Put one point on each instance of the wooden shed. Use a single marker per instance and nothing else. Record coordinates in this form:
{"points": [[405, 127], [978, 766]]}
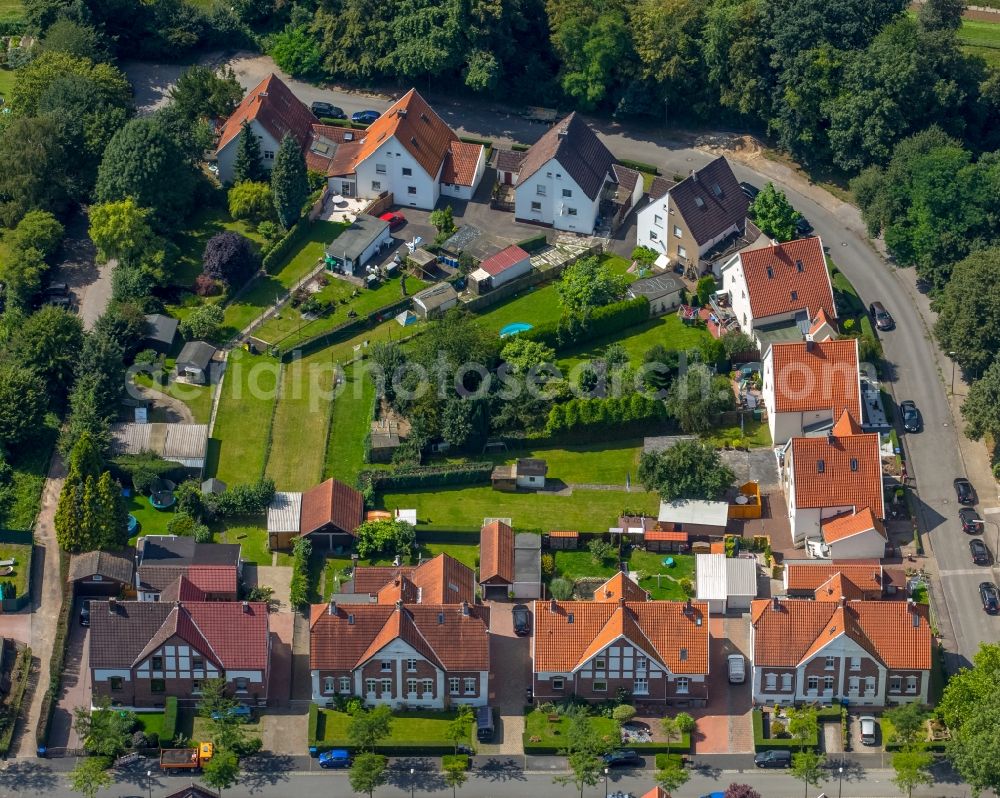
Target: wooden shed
{"points": [[562, 539]]}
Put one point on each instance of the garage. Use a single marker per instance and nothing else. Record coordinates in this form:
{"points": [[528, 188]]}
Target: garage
{"points": [[100, 574], [728, 584]]}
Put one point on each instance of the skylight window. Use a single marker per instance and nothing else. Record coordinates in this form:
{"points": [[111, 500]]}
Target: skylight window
{"points": [[699, 202], [820, 466]]}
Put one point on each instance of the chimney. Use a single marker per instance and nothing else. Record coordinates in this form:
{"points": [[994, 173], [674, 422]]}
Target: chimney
{"points": [[688, 609], [399, 604], [112, 606], [775, 604], [401, 113], [331, 608], [552, 605], [177, 604], [843, 601], [809, 343], [621, 601], [465, 608], [829, 437], [694, 175], [246, 606]]}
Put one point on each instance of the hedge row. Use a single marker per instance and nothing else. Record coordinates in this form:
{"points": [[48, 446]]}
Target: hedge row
{"points": [[21, 673], [313, 723], [582, 414], [603, 321], [13, 27], [326, 120], [169, 720], [281, 249], [639, 166], [124, 467], [427, 476], [681, 746], [534, 243], [393, 749], [761, 743], [58, 658]]}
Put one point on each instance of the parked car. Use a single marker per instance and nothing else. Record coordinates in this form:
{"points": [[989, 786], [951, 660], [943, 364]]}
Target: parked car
{"points": [[913, 421], [964, 491], [59, 301], [880, 316], [971, 521], [57, 289], [522, 619], [337, 758], [869, 729], [240, 711], [85, 613], [750, 190], [321, 109], [365, 117], [737, 667], [773, 759], [990, 596], [621, 757], [802, 227], [394, 218], [980, 552]]}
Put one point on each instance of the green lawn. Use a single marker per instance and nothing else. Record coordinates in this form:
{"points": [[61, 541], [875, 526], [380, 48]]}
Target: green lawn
{"points": [[29, 467], [756, 432], [289, 329], [650, 563], [151, 722], [587, 463], [667, 330], [251, 534], [151, 521], [982, 39], [537, 724], [301, 418], [350, 423], [573, 565], [6, 75], [198, 398], [408, 728], [243, 422], [463, 509], [212, 218], [22, 566]]}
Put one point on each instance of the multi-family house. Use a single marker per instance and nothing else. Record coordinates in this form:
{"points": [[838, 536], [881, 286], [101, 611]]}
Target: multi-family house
{"points": [[414, 655], [870, 653], [409, 151], [327, 514], [655, 651], [683, 221], [142, 652], [807, 385], [828, 580], [214, 569], [832, 477], [777, 293]]}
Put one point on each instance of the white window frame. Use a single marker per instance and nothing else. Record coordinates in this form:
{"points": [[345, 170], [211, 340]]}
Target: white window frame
{"points": [[812, 684], [411, 687], [682, 252], [911, 684], [536, 207], [411, 189], [871, 683], [411, 665], [657, 220], [600, 686], [770, 681], [895, 684], [345, 684], [386, 666], [427, 688], [376, 185], [640, 686], [571, 211], [600, 664], [328, 682], [827, 684], [385, 687], [539, 189], [786, 681], [830, 663], [855, 663], [683, 685], [454, 685], [678, 233], [371, 686], [470, 686], [268, 155]]}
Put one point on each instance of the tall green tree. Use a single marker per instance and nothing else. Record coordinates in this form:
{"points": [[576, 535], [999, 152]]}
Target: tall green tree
{"points": [[687, 470], [774, 214], [941, 14], [367, 773], [912, 769], [34, 176], [222, 771], [76, 39], [672, 775], [588, 284], [981, 407], [23, 402], [121, 230], [247, 164], [968, 321], [91, 775], [367, 729], [203, 93], [460, 727], [807, 767], [289, 181], [456, 773], [970, 707], [697, 396], [49, 342]]}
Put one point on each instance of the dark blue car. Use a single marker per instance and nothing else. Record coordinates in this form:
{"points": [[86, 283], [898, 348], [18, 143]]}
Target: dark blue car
{"points": [[337, 758], [240, 711], [365, 117]]}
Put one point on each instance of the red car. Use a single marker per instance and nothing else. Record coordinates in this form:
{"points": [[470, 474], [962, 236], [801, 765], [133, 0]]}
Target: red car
{"points": [[395, 220]]}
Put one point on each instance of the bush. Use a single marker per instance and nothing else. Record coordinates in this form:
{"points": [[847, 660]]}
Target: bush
{"points": [[603, 321], [590, 414], [455, 760], [561, 589], [623, 713], [181, 524], [142, 480], [206, 286], [57, 659], [252, 201], [639, 166], [230, 258], [169, 730], [242, 500], [299, 588], [427, 476], [140, 740], [548, 565], [534, 243], [203, 323]]}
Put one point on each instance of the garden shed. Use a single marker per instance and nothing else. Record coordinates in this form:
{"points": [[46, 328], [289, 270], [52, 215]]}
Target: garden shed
{"points": [[726, 583], [694, 516], [186, 444], [160, 332], [358, 244], [193, 362], [100, 573], [564, 539], [435, 300]]}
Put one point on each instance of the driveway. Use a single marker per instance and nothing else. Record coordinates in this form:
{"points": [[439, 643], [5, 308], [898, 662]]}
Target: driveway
{"points": [[89, 282], [76, 687], [725, 725], [510, 657]]}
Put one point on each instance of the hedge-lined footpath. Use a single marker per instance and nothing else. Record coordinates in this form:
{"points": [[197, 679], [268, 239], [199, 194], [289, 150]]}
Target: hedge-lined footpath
{"points": [[19, 676], [601, 322], [426, 476], [58, 658]]}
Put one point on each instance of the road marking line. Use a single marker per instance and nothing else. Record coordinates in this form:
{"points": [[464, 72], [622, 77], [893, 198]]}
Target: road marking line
{"points": [[963, 572]]}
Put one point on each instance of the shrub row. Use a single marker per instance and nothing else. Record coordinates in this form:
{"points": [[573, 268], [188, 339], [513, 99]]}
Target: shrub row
{"points": [[681, 746], [13, 27], [427, 476], [21, 675], [519, 147], [313, 724], [285, 244], [326, 120], [582, 414], [126, 466], [386, 749], [639, 166], [603, 321], [58, 658], [761, 743], [169, 721], [534, 243]]}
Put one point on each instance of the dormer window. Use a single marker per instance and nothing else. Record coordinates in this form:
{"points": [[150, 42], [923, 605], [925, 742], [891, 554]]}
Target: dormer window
{"points": [[799, 267], [717, 189], [699, 202]]}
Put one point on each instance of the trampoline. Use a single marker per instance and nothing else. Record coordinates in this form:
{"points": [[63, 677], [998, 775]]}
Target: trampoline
{"points": [[161, 494], [515, 328], [133, 524]]}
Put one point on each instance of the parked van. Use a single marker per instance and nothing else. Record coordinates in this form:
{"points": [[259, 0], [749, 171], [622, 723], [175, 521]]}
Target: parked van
{"points": [[779, 758], [869, 728], [484, 724], [737, 668]]}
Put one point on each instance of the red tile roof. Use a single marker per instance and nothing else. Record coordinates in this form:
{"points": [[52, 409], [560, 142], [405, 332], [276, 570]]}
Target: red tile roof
{"points": [[496, 552], [819, 320], [277, 110], [331, 502], [776, 285], [664, 629], [847, 525], [665, 536], [816, 375], [460, 163], [440, 580], [499, 262], [213, 578], [352, 634], [619, 586], [838, 470], [837, 587], [799, 629], [812, 576]]}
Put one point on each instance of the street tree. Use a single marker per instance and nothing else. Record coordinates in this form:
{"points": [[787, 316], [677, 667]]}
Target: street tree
{"points": [[912, 769], [981, 407], [968, 322], [672, 775], [289, 181], [91, 775], [970, 708], [807, 767], [687, 470], [588, 284], [585, 768], [669, 726], [367, 773], [367, 729], [456, 773], [222, 771], [774, 214]]}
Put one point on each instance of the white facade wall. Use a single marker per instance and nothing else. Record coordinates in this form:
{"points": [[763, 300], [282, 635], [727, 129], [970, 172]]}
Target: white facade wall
{"points": [[734, 283], [466, 192], [386, 170], [575, 212], [652, 225], [864, 545], [226, 157], [106, 674], [530, 481], [515, 271]]}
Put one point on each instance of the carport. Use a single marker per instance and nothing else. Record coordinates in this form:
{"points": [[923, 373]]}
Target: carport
{"points": [[726, 583]]}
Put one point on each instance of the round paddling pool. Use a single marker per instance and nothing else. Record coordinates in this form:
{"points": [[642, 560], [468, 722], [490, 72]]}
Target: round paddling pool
{"points": [[515, 328]]}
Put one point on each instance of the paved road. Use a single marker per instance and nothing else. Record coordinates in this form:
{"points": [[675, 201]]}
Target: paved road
{"points": [[919, 370], [36, 778]]}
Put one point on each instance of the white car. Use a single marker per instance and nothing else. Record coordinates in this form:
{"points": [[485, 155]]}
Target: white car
{"points": [[869, 729], [737, 668]]}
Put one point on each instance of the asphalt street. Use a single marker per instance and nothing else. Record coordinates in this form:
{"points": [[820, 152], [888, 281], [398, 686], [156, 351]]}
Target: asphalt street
{"points": [[918, 370], [31, 778]]}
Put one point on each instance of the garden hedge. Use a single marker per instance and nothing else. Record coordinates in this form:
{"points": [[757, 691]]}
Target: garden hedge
{"points": [[58, 657], [169, 721], [639, 166], [427, 476], [534, 243], [313, 723], [327, 120], [20, 674], [761, 743], [602, 322], [285, 244], [681, 746], [585, 414]]}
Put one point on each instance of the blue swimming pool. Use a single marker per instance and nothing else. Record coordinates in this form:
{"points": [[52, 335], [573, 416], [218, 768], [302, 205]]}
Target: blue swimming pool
{"points": [[515, 328]]}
